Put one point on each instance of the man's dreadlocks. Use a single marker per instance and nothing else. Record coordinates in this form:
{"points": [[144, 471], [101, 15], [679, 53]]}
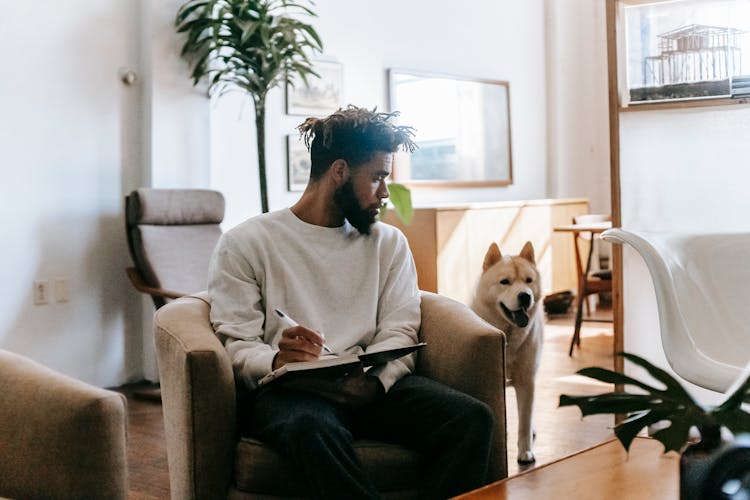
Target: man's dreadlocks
{"points": [[354, 135]]}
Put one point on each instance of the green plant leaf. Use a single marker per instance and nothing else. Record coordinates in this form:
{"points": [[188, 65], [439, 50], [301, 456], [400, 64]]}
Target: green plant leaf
{"points": [[629, 428], [400, 197], [612, 402], [672, 404], [185, 11], [673, 386], [613, 377], [734, 419], [675, 436]]}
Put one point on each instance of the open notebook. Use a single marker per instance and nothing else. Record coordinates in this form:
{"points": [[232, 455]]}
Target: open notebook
{"points": [[337, 366]]}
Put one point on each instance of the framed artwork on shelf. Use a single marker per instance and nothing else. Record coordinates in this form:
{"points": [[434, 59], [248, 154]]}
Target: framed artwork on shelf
{"points": [[683, 50], [321, 96], [298, 163]]}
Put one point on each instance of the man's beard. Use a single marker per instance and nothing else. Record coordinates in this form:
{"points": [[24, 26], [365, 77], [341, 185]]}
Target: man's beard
{"points": [[346, 200]]}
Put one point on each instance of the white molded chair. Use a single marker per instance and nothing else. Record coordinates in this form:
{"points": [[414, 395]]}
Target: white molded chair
{"points": [[702, 284]]}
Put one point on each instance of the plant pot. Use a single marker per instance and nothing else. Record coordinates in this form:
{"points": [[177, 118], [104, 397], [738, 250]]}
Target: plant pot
{"points": [[721, 471]]}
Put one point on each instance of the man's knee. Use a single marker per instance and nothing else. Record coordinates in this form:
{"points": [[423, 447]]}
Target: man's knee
{"points": [[479, 417], [481, 412], [304, 427]]}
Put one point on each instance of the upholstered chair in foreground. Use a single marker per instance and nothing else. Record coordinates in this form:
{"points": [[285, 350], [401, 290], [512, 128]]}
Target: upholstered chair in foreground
{"points": [[207, 458], [59, 437]]}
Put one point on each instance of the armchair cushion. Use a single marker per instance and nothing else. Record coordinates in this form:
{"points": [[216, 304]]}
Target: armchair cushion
{"points": [[260, 469], [171, 207]]}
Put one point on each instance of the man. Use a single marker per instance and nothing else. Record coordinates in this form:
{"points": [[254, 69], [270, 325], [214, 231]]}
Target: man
{"points": [[327, 264]]}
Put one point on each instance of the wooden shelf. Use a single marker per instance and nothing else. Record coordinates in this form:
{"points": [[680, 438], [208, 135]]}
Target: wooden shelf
{"points": [[695, 103]]}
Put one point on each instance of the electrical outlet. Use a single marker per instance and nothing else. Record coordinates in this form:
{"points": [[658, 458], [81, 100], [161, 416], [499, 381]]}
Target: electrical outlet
{"points": [[62, 289], [41, 292]]}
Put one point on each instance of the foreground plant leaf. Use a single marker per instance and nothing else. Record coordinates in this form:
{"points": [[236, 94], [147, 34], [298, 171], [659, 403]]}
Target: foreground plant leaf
{"points": [[400, 197], [611, 402], [672, 404]]}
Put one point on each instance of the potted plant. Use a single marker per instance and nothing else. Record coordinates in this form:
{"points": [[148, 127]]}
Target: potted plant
{"points": [[670, 403], [253, 46]]}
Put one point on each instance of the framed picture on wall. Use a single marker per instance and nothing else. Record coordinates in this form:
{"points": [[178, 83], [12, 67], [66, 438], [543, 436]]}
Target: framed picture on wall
{"points": [[683, 50], [464, 135], [321, 96], [298, 163]]}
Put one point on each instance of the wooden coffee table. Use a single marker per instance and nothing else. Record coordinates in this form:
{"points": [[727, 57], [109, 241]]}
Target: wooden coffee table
{"points": [[602, 471]]}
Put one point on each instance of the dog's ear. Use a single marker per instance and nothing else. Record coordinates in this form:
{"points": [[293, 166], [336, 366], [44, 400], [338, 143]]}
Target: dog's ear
{"points": [[492, 257], [527, 252]]}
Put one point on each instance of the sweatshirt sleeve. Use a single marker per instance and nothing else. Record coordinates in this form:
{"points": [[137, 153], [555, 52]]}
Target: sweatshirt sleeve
{"points": [[399, 313], [237, 313]]}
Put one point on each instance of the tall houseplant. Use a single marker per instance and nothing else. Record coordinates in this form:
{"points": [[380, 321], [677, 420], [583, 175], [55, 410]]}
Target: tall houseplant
{"points": [[251, 46]]}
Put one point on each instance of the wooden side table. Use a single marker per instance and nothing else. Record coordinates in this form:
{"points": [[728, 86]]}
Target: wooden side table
{"points": [[602, 471], [586, 286]]}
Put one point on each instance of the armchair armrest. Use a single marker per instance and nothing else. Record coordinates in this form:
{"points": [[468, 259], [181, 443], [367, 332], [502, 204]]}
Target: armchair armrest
{"points": [[466, 353], [198, 399], [60, 437]]}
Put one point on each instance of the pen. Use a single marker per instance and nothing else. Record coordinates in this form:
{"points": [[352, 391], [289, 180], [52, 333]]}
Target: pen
{"points": [[290, 323]]}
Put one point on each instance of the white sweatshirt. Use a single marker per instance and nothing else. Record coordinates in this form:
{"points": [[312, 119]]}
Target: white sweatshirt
{"points": [[359, 291]]}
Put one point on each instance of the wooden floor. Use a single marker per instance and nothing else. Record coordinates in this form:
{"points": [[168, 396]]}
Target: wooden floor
{"points": [[148, 476], [560, 431]]}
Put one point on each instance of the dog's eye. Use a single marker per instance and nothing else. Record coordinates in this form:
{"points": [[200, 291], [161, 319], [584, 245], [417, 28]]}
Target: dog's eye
{"points": [[529, 280], [505, 281]]}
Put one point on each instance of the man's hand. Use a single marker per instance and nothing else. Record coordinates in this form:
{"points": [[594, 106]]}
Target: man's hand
{"points": [[298, 344], [355, 389]]}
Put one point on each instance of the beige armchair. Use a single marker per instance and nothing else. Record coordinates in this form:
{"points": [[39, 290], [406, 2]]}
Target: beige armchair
{"points": [[59, 437], [208, 460]]}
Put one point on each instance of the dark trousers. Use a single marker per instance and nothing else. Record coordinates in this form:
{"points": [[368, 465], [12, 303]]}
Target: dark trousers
{"points": [[451, 430]]}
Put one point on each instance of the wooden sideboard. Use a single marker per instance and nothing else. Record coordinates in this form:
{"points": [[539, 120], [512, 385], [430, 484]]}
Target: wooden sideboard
{"points": [[449, 241]]}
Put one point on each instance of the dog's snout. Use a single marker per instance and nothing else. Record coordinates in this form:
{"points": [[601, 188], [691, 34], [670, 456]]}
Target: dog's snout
{"points": [[524, 299]]}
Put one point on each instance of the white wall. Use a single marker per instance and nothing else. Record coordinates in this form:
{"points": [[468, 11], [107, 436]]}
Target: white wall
{"points": [[502, 40], [74, 141], [68, 147], [681, 170], [577, 102]]}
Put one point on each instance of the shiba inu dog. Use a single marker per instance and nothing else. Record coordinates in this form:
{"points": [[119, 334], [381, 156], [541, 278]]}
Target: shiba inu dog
{"points": [[508, 296]]}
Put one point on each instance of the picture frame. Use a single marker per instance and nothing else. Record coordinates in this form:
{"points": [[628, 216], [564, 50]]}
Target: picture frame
{"points": [[683, 51], [321, 96], [464, 129], [298, 163]]}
